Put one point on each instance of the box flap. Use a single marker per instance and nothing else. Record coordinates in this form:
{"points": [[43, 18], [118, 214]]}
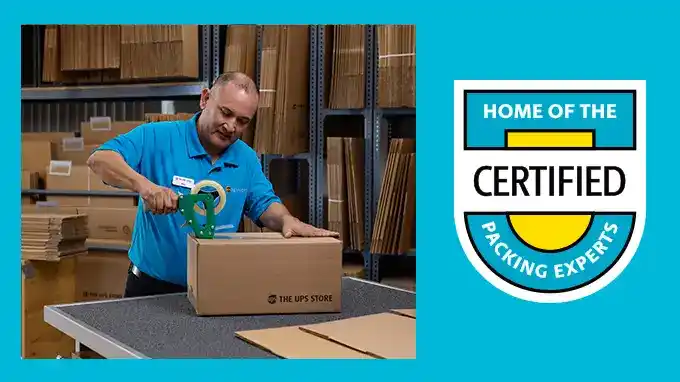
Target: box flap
{"points": [[292, 343], [383, 335], [267, 238]]}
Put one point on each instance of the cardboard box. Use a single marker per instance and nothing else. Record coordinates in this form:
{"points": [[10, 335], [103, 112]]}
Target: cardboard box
{"points": [[110, 223], [99, 130], [75, 150], [29, 180], [54, 137], [63, 175], [264, 273], [36, 156], [101, 275]]}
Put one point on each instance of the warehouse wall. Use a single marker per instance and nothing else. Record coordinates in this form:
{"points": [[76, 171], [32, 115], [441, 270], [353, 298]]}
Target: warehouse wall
{"points": [[66, 116]]}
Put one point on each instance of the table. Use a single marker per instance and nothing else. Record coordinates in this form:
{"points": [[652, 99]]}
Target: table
{"points": [[166, 326]]}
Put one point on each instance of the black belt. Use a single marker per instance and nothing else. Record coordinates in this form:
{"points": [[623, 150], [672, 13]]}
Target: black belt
{"points": [[138, 272], [135, 271]]}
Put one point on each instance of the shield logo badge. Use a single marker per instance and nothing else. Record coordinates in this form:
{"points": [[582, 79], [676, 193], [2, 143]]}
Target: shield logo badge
{"points": [[549, 183]]}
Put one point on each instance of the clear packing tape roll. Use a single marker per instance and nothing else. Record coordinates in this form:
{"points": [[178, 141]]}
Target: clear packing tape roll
{"points": [[220, 191]]}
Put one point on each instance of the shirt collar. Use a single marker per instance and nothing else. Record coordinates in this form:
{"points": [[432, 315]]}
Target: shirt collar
{"points": [[195, 148]]}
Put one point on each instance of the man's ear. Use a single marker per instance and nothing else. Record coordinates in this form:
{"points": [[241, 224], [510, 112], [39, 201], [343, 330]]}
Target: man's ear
{"points": [[205, 95]]}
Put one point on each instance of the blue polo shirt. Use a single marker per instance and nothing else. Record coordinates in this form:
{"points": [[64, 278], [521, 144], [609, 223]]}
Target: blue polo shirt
{"points": [[162, 150]]}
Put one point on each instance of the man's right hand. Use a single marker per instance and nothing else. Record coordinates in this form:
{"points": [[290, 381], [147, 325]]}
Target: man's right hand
{"points": [[159, 200]]}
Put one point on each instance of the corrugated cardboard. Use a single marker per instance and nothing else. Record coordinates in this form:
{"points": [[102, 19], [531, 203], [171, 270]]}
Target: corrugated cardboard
{"points": [[99, 130], [29, 180], [256, 273], [383, 335], [75, 150], [110, 223], [54, 137], [292, 343], [36, 156], [81, 178], [101, 275], [405, 312]]}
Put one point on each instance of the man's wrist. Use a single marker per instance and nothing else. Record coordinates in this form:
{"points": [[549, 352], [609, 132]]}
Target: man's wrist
{"points": [[140, 184], [287, 219]]}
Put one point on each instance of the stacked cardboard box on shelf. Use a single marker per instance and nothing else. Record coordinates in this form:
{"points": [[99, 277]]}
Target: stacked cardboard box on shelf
{"points": [[50, 237], [159, 117], [47, 278], [50, 245], [240, 53], [396, 66], [347, 84], [59, 161], [241, 56], [345, 182], [394, 227], [96, 54], [282, 125]]}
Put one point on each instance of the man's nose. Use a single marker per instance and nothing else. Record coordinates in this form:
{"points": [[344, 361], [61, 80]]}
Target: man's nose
{"points": [[229, 125]]}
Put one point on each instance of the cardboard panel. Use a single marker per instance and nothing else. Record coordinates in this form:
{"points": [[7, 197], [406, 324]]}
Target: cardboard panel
{"points": [[383, 335], [292, 343], [405, 312]]}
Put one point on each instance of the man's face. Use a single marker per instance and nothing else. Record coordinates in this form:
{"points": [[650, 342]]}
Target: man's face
{"points": [[227, 111]]}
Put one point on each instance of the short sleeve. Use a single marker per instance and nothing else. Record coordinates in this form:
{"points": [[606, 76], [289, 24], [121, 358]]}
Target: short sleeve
{"points": [[129, 145], [260, 193]]}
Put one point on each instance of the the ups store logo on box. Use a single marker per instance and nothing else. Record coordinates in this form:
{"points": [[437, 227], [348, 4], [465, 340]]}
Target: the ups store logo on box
{"points": [[301, 299]]}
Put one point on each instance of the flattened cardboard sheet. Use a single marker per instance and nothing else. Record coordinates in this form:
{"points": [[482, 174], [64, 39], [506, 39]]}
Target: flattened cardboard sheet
{"points": [[292, 343], [383, 335], [405, 312]]}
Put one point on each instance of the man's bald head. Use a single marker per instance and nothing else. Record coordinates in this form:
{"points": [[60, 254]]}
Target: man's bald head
{"points": [[238, 79]]}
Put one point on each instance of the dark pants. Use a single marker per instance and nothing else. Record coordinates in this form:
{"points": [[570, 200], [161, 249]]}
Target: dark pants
{"points": [[145, 285]]}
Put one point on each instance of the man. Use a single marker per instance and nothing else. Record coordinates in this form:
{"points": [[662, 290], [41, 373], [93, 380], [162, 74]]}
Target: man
{"points": [[153, 158]]}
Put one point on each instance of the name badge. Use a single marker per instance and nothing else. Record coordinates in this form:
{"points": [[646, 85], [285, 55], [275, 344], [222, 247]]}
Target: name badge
{"points": [[180, 181]]}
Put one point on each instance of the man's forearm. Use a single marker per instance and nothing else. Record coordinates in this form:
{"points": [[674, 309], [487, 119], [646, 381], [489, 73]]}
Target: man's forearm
{"points": [[111, 167], [274, 217]]}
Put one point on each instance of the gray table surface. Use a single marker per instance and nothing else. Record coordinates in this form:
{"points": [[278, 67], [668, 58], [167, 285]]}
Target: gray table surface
{"points": [[167, 327]]}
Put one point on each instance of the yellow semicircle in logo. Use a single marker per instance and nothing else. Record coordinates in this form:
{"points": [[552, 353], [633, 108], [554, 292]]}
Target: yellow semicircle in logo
{"points": [[550, 232]]}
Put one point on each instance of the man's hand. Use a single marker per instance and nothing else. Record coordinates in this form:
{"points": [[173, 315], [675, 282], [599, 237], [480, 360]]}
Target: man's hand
{"points": [[294, 227], [159, 200]]}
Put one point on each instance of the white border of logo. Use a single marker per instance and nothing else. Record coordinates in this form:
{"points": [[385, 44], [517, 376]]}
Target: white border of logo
{"points": [[641, 114]]}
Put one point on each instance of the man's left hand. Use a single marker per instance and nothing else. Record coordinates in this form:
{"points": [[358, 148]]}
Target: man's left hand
{"points": [[294, 227]]}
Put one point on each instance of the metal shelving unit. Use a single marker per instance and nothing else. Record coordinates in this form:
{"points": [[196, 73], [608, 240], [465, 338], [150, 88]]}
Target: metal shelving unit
{"points": [[101, 92], [373, 133]]}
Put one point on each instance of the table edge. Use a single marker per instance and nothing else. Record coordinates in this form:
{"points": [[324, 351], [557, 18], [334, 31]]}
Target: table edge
{"points": [[109, 347], [99, 342]]}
